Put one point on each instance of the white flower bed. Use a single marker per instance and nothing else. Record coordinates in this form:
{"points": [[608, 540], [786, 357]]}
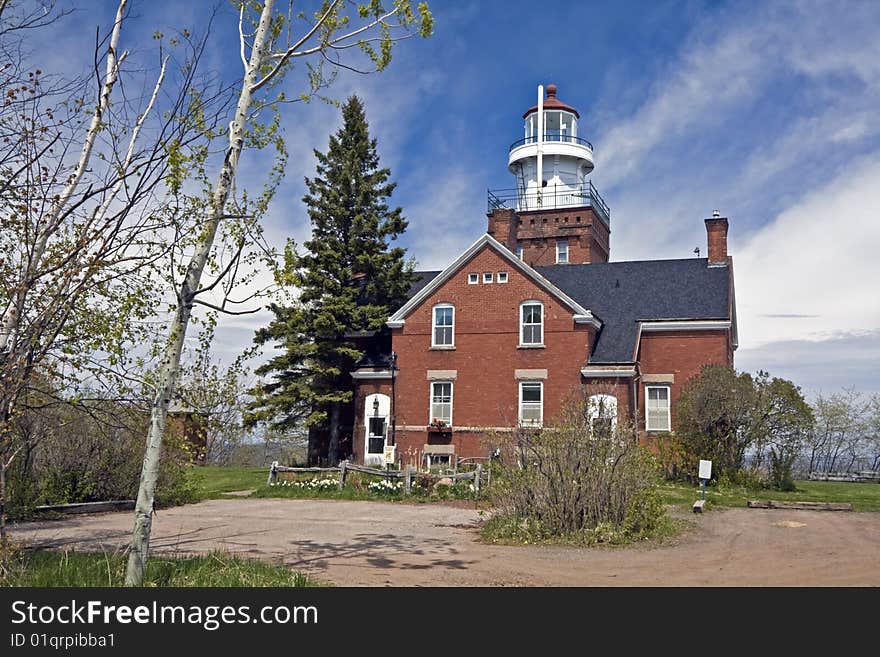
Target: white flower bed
{"points": [[385, 486]]}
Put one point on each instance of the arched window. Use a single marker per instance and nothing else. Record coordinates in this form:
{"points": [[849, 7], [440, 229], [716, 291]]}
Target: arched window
{"points": [[443, 325], [531, 323], [602, 411]]}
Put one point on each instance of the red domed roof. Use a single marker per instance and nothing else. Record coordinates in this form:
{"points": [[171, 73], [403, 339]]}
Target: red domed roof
{"points": [[552, 102]]}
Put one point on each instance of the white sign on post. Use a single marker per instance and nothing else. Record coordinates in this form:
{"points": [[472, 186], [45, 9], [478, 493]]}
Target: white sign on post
{"points": [[390, 452], [705, 469]]}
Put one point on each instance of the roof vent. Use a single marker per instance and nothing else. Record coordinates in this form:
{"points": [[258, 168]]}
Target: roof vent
{"points": [[716, 214]]}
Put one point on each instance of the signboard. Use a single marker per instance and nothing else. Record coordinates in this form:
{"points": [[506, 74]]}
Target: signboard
{"points": [[705, 469], [390, 453]]}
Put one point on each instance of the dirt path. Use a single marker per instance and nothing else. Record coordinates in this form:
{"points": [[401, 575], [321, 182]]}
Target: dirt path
{"points": [[376, 544]]}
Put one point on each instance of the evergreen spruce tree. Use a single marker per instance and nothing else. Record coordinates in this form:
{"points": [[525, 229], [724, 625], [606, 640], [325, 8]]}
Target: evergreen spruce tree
{"points": [[348, 277]]}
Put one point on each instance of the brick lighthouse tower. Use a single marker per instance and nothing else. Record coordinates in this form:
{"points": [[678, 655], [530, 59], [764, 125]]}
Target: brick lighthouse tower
{"points": [[554, 215]]}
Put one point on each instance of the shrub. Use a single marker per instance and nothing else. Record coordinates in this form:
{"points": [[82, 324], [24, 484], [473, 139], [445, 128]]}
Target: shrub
{"points": [[781, 467], [572, 478], [89, 453]]}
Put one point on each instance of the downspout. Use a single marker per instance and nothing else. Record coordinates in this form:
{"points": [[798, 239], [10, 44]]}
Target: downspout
{"points": [[635, 397]]}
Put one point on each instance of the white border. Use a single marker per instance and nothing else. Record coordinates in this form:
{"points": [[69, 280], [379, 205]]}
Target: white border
{"points": [[434, 325], [614, 374], [668, 409], [431, 399], [685, 325], [567, 259], [381, 374], [522, 324], [520, 417]]}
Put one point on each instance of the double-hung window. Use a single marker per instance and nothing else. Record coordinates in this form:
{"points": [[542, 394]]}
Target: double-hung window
{"points": [[531, 403], [657, 411], [441, 402], [561, 251], [531, 321], [443, 329]]}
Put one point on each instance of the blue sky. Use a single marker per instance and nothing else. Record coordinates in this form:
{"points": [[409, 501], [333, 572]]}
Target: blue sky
{"points": [[764, 111]]}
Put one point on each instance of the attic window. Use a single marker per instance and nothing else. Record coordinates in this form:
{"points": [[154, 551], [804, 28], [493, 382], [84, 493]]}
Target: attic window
{"points": [[487, 277], [502, 277], [473, 278]]}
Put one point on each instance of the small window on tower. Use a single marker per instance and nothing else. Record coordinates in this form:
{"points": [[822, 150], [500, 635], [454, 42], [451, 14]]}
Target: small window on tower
{"points": [[562, 251], [473, 278], [487, 277], [502, 277], [519, 250]]}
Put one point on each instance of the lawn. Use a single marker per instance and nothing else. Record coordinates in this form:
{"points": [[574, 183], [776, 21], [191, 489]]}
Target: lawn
{"points": [[863, 497], [48, 568], [213, 481]]}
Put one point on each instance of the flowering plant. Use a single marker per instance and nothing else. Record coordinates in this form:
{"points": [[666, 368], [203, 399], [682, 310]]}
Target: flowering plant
{"points": [[385, 486], [439, 425]]}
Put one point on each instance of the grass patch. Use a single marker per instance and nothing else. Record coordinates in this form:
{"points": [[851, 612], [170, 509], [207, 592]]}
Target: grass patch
{"points": [[53, 569], [503, 529], [212, 481], [863, 497]]}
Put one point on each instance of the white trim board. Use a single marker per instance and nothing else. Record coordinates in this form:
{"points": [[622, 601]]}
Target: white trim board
{"points": [[581, 314], [685, 325], [383, 374], [600, 373]]}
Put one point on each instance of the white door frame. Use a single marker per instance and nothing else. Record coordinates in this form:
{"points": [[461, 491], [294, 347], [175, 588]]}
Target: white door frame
{"points": [[384, 412]]}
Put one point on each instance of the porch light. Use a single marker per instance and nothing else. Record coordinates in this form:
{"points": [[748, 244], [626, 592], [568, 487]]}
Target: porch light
{"points": [[376, 406]]}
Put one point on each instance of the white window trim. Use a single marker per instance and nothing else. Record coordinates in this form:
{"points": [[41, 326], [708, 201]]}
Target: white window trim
{"points": [[434, 325], [668, 426], [487, 278], [522, 323], [473, 278], [540, 422], [500, 274], [558, 244], [451, 400]]}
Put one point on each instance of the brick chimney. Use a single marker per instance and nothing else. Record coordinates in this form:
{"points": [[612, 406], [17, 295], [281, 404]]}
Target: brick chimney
{"points": [[502, 226], [716, 233]]}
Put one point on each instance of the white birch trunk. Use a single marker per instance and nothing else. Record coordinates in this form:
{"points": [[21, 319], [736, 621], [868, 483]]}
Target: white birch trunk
{"points": [[11, 317], [170, 364]]}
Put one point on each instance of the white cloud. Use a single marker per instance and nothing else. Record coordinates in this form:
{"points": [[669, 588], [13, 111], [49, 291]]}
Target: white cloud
{"points": [[817, 258]]}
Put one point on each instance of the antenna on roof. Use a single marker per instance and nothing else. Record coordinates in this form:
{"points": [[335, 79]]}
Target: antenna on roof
{"points": [[697, 251]]}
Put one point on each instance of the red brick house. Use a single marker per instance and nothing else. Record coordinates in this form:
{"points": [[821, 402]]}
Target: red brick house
{"points": [[533, 312]]}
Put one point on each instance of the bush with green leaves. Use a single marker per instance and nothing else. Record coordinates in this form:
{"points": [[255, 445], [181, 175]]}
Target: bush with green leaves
{"points": [[726, 416]]}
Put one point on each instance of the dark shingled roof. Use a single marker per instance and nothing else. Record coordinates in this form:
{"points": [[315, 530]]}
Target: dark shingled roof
{"points": [[375, 357], [622, 293], [422, 278], [378, 354]]}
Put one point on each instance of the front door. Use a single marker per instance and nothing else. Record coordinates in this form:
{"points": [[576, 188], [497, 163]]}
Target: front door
{"points": [[377, 410]]}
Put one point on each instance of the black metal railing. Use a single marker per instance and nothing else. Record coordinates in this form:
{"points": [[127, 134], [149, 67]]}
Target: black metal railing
{"points": [[550, 197], [552, 136]]}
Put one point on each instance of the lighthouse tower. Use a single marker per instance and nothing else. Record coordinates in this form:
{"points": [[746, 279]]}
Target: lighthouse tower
{"points": [[554, 214]]}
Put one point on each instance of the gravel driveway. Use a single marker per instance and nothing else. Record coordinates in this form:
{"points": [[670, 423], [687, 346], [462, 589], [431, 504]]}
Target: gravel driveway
{"points": [[382, 544]]}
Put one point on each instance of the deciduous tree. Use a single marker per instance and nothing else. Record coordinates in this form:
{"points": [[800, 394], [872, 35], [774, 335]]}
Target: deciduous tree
{"points": [[267, 53]]}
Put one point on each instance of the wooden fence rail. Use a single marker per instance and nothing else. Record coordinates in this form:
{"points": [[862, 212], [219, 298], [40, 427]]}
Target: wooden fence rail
{"points": [[406, 474], [862, 476]]}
